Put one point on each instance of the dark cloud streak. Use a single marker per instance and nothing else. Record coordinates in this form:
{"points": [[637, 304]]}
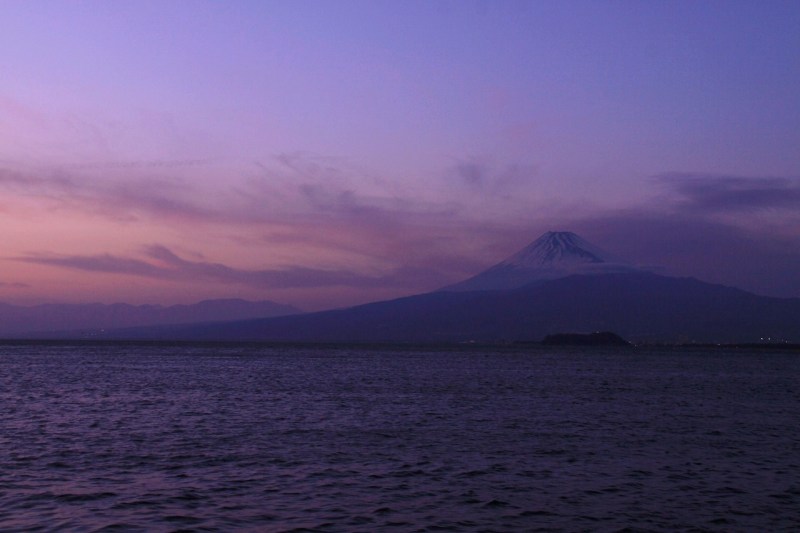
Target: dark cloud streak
{"points": [[710, 227], [712, 193], [101, 263], [13, 285], [165, 264]]}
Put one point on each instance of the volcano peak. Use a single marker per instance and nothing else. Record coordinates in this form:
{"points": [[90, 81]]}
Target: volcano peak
{"points": [[556, 247], [555, 254]]}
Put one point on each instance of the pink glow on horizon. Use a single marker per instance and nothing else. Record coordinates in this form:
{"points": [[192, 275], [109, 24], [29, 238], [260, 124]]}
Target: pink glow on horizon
{"points": [[323, 155]]}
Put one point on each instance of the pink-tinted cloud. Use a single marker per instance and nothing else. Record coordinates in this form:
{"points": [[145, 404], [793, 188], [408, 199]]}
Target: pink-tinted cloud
{"points": [[310, 204], [113, 199], [314, 199], [163, 263], [297, 187], [14, 285]]}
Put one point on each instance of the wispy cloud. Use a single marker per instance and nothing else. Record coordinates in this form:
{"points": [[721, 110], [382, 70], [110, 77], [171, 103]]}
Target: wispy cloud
{"points": [[162, 263], [311, 204], [702, 225], [13, 285], [289, 187], [114, 199], [100, 263], [482, 175], [139, 164]]}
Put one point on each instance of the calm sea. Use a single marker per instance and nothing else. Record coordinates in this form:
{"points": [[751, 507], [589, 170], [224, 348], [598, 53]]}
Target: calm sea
{"points": [[249, 438]]}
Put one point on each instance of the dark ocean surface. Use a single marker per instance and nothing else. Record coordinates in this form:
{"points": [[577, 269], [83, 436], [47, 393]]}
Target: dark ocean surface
{"points": [[249, 438]]}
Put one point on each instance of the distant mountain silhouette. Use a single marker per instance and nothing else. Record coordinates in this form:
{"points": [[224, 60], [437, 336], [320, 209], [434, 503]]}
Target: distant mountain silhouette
{"points": [[556, 254], [57, 319], [638, 306]]}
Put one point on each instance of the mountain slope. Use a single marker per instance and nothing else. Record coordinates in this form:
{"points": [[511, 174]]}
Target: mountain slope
{"points": [[555, 254], [637, 306], [39, 320]]}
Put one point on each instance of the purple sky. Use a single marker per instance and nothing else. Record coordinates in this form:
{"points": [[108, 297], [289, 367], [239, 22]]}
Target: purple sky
{"points": [[329, 153]]}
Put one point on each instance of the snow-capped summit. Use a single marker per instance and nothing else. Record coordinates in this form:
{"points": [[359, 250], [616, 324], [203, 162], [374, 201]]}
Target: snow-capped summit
{"points": [[556, 254], [556, 247]]}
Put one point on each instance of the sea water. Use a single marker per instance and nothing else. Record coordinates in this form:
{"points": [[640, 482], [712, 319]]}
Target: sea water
{"points": [[269, 438]]}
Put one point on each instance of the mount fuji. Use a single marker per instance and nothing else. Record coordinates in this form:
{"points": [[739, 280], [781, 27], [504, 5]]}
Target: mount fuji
{"points": [[554, 255]]}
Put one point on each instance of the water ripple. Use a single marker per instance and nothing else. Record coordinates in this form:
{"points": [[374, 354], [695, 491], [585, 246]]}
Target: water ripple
{"points": [[170, 438]]}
